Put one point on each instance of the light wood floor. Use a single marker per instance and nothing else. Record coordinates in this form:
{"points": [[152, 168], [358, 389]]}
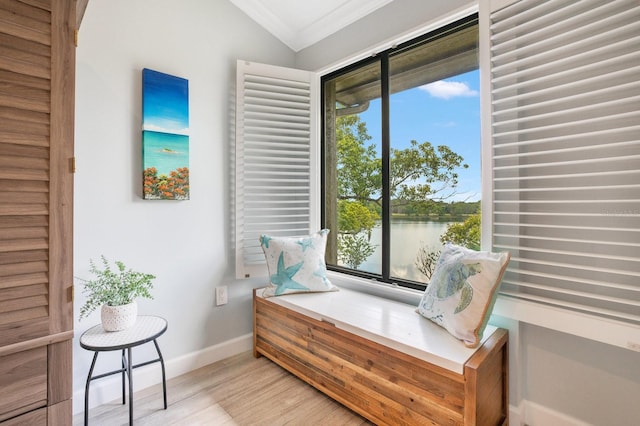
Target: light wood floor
{"points": [[240, 390]]}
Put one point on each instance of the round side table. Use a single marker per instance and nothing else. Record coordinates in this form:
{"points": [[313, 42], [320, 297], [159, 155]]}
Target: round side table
{"points": [[146, 329]]}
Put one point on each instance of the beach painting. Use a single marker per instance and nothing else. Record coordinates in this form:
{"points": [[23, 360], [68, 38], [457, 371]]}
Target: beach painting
{"points": [[165, 136]]}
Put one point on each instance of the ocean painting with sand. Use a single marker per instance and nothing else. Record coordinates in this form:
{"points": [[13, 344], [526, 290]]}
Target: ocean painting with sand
{"points": [[165, 140]]}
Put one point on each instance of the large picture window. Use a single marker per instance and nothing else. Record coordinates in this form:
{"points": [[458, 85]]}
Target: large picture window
{"points": [[401, 156]]}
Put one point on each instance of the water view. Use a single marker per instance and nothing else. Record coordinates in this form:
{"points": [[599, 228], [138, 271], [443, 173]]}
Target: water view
{"points": [[165, 151], [407, 236]]}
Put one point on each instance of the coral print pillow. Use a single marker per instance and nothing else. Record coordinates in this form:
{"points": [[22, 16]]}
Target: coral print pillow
{"points": [[463, 290], [296, 265]]}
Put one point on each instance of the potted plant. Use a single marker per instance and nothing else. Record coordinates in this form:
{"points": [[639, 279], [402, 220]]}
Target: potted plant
{"points": [[115, 292]]}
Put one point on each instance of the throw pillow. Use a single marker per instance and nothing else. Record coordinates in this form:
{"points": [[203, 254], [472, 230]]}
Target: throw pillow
{"points": [[462, 291], [296, 265]]}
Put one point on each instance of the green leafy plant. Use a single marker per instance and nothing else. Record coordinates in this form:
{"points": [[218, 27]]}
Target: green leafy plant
{"points": [[114, 287]]}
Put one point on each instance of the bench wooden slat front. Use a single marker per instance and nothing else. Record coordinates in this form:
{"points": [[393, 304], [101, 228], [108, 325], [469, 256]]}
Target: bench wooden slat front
{"points": [[383, 384]]}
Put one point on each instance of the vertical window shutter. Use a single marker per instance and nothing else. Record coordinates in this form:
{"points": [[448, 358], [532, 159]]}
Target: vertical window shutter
{"points": [[566, 153], [275, 159]]}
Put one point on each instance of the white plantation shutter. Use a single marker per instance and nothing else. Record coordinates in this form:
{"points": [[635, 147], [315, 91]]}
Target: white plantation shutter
{"points": [[565, 97], [275, 159]]}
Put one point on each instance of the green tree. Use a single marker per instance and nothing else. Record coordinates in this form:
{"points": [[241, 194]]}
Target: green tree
{"points": [[465, 233], [418, 173], [354, 249], [354, 217]]}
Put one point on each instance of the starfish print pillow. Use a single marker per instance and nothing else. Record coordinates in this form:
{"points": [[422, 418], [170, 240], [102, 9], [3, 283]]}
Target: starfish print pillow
{"points": [[296, 265], [463, 290]]}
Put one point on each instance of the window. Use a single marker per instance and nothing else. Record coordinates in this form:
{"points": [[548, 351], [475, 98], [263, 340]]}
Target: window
{"points": [[401, 154]]}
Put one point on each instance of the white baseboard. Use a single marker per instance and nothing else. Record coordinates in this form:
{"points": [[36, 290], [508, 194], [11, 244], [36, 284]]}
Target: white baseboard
{"points": [[529, 413], [109, 389], [515, 415]]}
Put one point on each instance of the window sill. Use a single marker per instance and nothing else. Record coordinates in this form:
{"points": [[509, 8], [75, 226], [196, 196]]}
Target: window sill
{"points": [[603, 330], [376, 288]]}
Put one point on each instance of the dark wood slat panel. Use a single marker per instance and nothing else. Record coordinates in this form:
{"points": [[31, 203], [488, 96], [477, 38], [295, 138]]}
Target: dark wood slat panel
{"points": [[23, 156], [22, 245], [24, 139], [24, 280], [23, 221], [18, 233], [27, 99], [23, 268], [37, 76], [26, 197], [60, 380], [61, 414], [17, 163], [19, 81], [10, 258], [36, 417], [61, 182], [23, 315], [22, 335], [27, 69], [17, 306], [24, 175], [32, 129], [23, 186], [7, 149], [25, 27], [23, 116], [23, 58], [42, 4], [16, 415], [35, 342], [23, 381], [27, 291], [24, 9], [23, 209]]}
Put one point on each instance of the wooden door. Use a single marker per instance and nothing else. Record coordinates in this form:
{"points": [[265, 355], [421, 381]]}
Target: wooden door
{"points": [[37, 76]]}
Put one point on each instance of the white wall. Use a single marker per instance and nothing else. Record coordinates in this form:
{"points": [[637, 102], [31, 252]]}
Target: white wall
{"points": [[186, 244]]}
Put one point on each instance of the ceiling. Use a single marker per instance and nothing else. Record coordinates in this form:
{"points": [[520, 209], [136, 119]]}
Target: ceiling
{"points": [[299, 24]]}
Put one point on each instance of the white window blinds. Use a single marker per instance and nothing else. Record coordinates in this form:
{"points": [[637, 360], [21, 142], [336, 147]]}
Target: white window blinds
{"points": [[274, 159], [566, 153]]}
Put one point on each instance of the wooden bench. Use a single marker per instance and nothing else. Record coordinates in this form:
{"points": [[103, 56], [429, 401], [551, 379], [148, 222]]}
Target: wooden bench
{"points": [[382, 360]]}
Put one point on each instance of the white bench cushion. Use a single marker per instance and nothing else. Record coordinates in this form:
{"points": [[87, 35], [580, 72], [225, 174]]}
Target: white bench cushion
{"points": [[387, 322]]}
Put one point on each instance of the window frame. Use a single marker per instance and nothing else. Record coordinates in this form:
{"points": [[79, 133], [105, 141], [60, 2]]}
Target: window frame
{"points": [[459, 23]]}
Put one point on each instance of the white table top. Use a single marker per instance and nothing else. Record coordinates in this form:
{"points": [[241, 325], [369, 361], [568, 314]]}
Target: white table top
{"points": [[387, 322], [145, 329]]}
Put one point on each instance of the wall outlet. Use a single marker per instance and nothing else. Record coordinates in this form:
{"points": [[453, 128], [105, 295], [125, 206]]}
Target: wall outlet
{"points": [[221, 295]]}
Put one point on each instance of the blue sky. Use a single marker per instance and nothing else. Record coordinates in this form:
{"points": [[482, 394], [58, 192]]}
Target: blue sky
{"points": [[445, 112], [165, 103]]}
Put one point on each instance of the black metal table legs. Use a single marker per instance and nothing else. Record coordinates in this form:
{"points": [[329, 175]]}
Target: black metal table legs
{"points": [[126, 369]]}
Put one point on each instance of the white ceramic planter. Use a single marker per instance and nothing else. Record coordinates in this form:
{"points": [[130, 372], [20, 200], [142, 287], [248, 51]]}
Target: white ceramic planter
{"points": [[117, 318]]}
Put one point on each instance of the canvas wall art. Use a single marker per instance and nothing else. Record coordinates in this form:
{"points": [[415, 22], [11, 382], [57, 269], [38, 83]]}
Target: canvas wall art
{"points": [[165, 136]]}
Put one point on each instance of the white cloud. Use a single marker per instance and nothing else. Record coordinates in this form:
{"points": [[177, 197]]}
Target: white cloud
{"points": [[448, 89], [154, 128]]}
